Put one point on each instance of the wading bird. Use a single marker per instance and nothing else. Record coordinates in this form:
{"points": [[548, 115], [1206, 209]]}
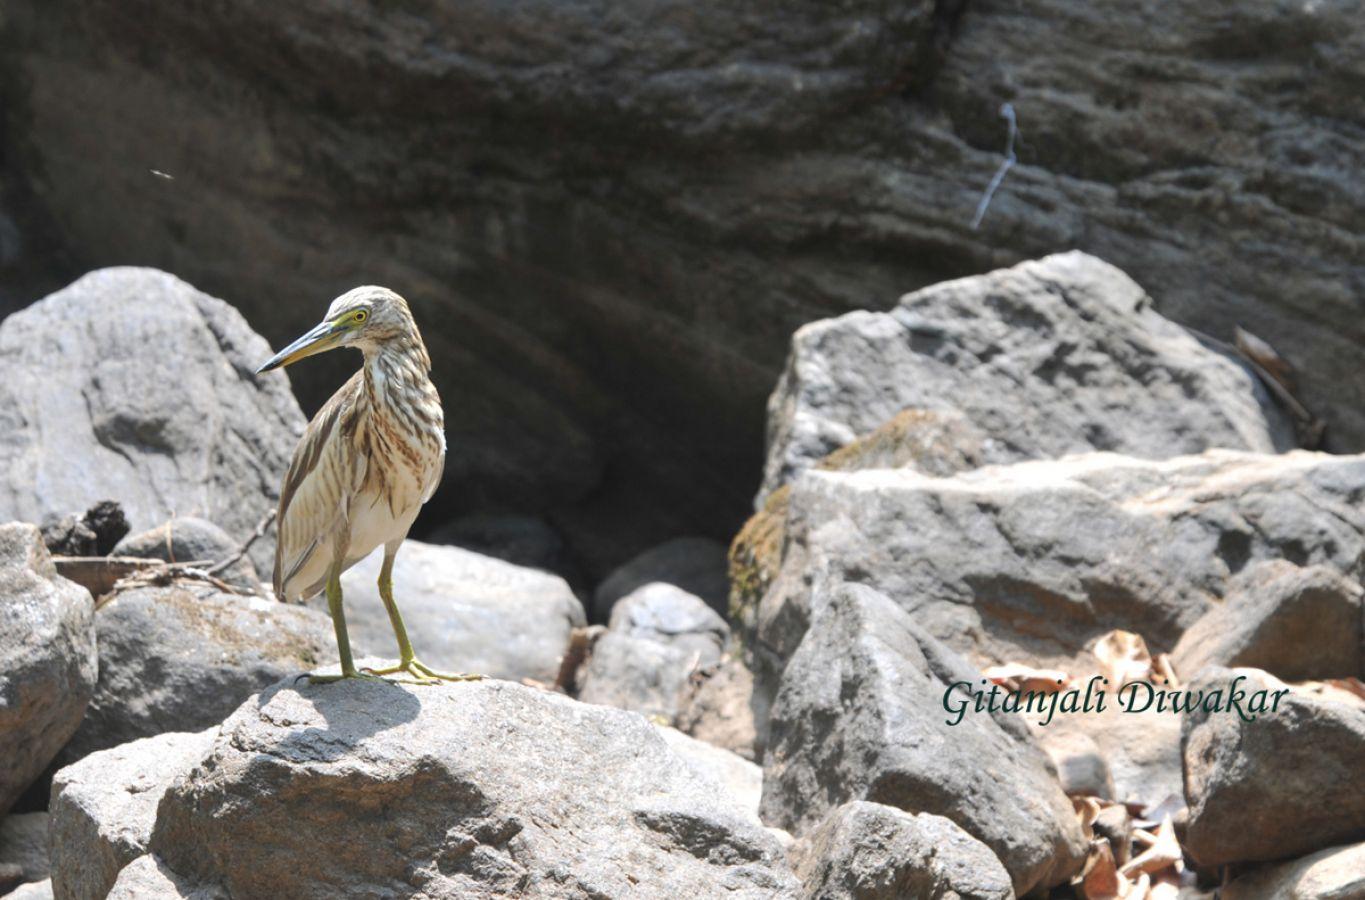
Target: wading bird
{"points": [[367, 462]]}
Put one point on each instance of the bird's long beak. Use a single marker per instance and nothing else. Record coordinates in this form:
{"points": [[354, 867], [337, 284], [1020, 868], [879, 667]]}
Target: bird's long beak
{"points": [[322, 338]]}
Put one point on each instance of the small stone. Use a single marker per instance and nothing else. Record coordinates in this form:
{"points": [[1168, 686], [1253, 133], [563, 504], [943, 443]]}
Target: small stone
{"points": [[868, 851]]}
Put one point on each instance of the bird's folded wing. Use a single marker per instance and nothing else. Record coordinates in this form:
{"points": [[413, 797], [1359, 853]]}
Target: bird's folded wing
{"points": [[324, 476]]}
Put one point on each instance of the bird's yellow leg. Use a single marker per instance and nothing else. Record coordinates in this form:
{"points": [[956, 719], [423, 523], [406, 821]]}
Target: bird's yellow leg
{"points": [[348, 669], [408, 663]]}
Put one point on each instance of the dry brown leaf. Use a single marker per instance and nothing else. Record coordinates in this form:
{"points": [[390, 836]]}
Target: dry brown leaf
{"points": [[1102, 880], [1163, 853], [1164, 669], [1124, 658], [1087, 808], [1349, 685], [1019, 677]]}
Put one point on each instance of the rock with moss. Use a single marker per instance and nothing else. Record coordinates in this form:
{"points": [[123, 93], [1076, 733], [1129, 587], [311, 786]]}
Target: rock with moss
{"points": [[1061, 355], [935, 442], [184, 656]]}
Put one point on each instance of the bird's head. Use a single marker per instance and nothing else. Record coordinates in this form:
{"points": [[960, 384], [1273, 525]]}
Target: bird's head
{"points": [[366, 318]]}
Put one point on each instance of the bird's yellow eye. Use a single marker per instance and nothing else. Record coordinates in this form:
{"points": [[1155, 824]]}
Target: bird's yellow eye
{"points": [[360, 316]]}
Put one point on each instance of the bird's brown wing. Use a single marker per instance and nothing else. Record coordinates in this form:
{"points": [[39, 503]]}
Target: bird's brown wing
{"points": [[315, 500]]}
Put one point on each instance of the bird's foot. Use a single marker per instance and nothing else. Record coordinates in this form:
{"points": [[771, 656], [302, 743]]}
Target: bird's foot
{"points": [[421, 673]]}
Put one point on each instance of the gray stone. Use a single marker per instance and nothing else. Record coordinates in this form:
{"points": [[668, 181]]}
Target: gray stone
{"points": [[190, 539], [47, 657], [148, 878], [185, 656], [860, 716], [1081, 766], [867, 851], [636, 673], [463, 611], [1337, 873], [468, 790], [740, 778], [1288, 783], [696, 565], [660, 635], [155, 405], [1140, 749], [103, 808], [632, 206], [23, 845], [521, 540], [1062, 355], [670, 615], [1035, 561], [34, 890], [1297, 624], [718, 708]]}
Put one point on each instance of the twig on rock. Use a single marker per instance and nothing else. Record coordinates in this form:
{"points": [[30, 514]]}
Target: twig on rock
{"points": [[1006, 112], [246, 545]]}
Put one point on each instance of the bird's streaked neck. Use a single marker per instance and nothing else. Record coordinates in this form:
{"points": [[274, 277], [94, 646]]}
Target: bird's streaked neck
{"points": [[396, 369]]}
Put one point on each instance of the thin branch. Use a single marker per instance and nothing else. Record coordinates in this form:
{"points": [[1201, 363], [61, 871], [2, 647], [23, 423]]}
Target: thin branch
{"points": [[1007, 112], [246, 545]]}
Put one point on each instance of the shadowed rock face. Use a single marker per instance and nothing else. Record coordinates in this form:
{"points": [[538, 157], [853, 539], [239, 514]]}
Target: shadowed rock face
{"points": [[609, 217]]}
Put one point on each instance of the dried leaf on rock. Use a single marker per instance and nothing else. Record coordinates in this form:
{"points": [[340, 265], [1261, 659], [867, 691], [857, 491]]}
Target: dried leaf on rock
{"points": [[1163, 853], [1019, 677], [1124, 657]]}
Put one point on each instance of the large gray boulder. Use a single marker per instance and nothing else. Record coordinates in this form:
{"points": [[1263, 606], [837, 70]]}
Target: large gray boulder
{"points": [[1295, 623], [1062, 355], [48, 663], [862, 715], [104, 806], [463, 611], [185, 656], [867, 851], [1034, 561], [154, 404], [613, 216], [1275, 782], [468, 790]]}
